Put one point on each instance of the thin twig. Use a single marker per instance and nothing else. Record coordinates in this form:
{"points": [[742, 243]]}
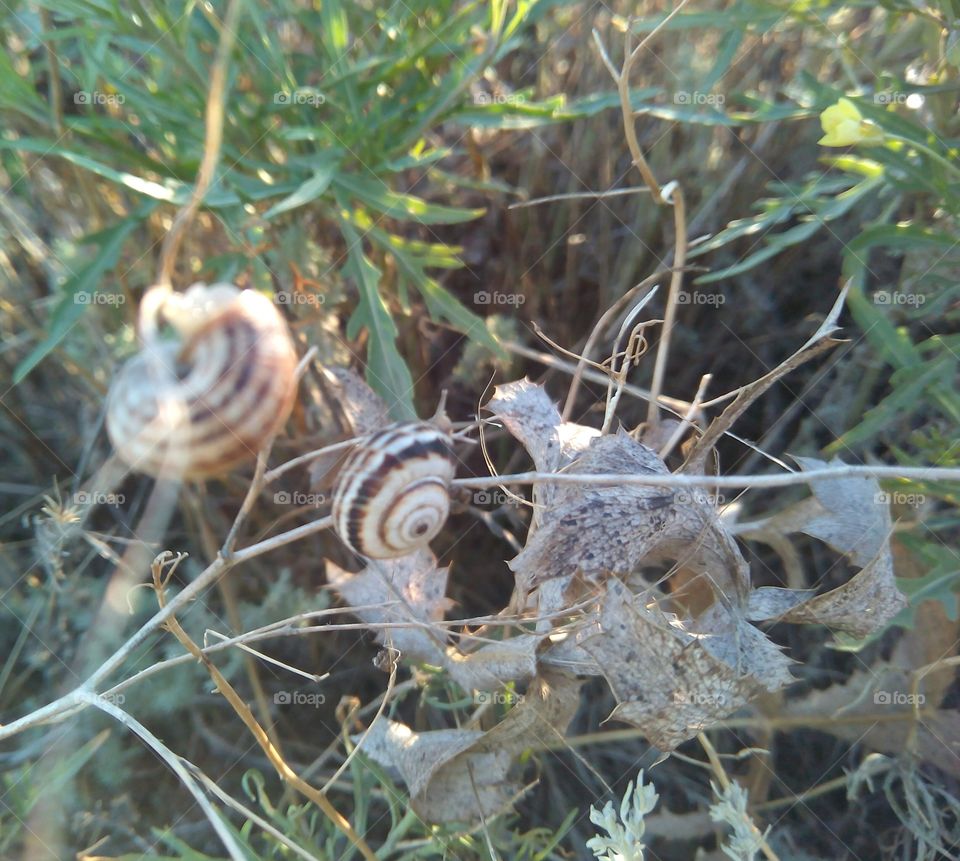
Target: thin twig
{"points": [[246, 715], [919, 473], [676, 281], [681, 429], [213, 120], [176, 766], [380, 710], [600, 326], [674, 404], [579, 195]]}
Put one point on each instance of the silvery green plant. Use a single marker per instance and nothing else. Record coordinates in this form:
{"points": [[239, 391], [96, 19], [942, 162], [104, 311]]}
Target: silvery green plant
{"points": [[731, 809], [625, 833]]}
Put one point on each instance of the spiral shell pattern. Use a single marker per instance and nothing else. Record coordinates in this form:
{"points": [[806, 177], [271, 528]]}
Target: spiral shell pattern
{"points": [[205, 403], [393, 492]]}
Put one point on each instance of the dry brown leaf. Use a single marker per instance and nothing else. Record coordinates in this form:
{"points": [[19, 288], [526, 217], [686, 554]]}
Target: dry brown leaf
{"points": [[528, 413], [593, 530], [463, 775], [363, 409], [412, 589], [671, 682], [860, 606], [852, 516], [492, 666], [855, 514]]}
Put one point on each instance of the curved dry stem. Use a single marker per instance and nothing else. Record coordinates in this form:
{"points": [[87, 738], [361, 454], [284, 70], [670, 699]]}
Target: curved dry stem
{"points": [[213, 120], [676, 280], [391, 682], [595, 333]]}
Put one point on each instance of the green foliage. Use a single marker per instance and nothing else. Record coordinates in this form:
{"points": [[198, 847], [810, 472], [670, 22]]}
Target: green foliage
{"points": [[329, 118]]}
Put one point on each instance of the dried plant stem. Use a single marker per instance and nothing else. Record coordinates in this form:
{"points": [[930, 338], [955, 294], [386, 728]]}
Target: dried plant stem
{"points": [[673, 404], [213, 120], [671, 194], [246, 715], [175, 764], [918, 473], [606, 318], [688, 417], [779, 723], [391, 682], [676, 281], [247, 813], [578, 195]]}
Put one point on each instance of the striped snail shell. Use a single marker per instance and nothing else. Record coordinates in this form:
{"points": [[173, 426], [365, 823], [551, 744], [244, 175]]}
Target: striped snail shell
{"points": [[205, 402], [393, 493]]}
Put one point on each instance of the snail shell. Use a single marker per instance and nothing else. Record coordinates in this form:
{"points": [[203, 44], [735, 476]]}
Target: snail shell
{"points": [[393, 493], [206, 402]]}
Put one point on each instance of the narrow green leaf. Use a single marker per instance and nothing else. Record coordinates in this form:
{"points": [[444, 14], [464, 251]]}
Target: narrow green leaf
{"points": [[377, 195], [308, 191], [387, 372]]}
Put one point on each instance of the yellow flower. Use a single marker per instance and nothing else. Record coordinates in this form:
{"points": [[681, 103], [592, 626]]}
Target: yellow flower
{"points": [[844, 125]]}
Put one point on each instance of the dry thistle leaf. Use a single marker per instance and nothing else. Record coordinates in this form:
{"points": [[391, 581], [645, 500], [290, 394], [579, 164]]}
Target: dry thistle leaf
{"points": [[492, 666], [851, 515], [855, 514], [671, 682], [528, 413], [363, 409], [464, 775], [412, 589], [860, 606], [593, 530]]}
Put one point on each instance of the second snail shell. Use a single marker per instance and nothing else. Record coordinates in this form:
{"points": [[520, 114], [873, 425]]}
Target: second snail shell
{"points": [[205, 402], [393, 493]]}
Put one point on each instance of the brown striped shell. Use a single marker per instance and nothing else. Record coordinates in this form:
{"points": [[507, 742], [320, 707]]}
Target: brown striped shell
{"points": [[393, 494], [204, 403]]}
